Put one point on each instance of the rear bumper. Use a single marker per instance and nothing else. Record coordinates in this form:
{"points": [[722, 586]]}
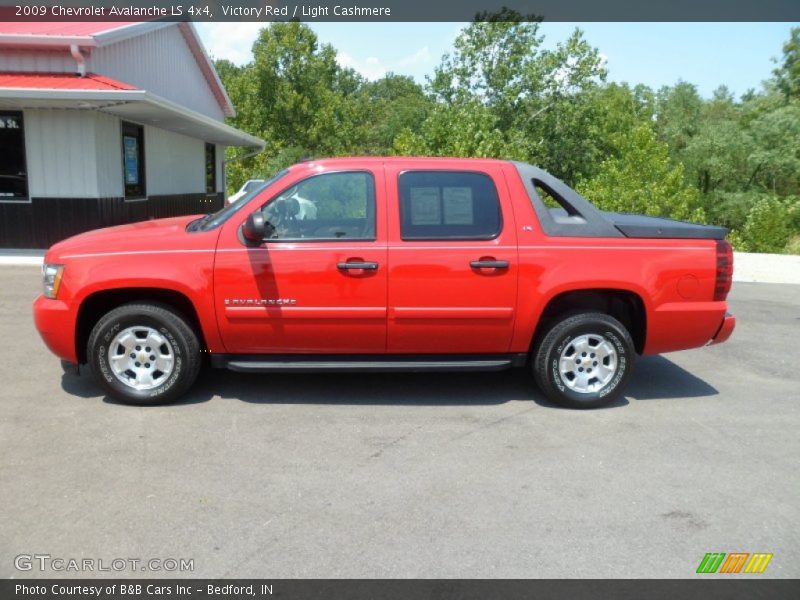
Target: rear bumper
{"points": [[55, 321], [725, 330], [683, 325]]}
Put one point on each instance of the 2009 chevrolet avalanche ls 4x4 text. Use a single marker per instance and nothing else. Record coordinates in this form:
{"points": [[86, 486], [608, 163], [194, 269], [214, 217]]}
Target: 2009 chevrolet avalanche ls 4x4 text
{"points": [[388, 264]]}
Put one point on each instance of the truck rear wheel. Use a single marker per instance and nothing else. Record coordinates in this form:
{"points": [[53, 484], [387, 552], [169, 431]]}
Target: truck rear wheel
{"points": [[584, 360], [144, 353]]}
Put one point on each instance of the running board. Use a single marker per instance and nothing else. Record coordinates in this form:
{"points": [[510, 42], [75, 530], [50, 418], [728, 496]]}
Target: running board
{"points": [[349, 363]]}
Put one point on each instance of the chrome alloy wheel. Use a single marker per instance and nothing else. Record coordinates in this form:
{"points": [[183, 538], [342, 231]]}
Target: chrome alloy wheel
{"points": [[141, 358], [588, 363]]}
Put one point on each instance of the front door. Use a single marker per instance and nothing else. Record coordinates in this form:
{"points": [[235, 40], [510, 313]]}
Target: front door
{"points": [[318, 283], [452, 261]]}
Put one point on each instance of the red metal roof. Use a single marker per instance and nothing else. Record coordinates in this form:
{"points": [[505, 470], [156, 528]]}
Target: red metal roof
{"points": [[60, 81], [87, 33], [60, 29]]}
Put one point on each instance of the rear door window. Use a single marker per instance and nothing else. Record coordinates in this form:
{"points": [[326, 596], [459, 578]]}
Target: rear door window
{"points": [[448, 205]]}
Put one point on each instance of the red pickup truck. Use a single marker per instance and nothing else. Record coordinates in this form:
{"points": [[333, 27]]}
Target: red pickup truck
{"points": [[388, 264]]}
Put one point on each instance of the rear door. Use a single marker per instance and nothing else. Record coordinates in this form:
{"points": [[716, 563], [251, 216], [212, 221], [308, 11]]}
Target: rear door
{"points": [[452, 260], [317, 285]]}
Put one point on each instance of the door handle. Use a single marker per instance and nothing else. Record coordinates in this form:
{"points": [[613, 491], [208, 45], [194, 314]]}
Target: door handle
{"points": [[362, 265], [489, 264]]}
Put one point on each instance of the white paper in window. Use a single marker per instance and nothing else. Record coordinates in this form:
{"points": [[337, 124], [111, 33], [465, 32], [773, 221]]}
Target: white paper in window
{"points": [[458, 206], [425, 208]]}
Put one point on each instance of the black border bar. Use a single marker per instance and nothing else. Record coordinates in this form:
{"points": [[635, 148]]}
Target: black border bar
{"points": [[705, 587], [403, 10]]}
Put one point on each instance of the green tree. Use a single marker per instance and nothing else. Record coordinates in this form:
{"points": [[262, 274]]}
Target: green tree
{"points": [[469, 129], [298, 85], [388, 106], [295, 96], [609, 112], [775, 159], [678, 112], [532, 98], [787, 75], [718, 156], [767, 228], [642, 179]]}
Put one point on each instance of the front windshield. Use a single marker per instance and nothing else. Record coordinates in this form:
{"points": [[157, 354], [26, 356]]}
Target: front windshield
{"points": [[215, 219]]}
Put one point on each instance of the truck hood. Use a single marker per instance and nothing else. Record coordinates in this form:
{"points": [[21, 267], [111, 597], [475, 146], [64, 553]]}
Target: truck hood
{"points": [[156, 234]]}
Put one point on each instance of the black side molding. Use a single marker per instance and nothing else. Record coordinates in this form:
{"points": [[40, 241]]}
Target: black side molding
{"points": [[288, 363]]}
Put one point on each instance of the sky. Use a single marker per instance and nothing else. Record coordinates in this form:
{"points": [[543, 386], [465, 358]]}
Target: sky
{"points": [[738, 55]]}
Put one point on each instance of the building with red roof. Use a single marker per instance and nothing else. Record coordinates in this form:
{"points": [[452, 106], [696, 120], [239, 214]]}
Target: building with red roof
{"points": [[106, 123]]}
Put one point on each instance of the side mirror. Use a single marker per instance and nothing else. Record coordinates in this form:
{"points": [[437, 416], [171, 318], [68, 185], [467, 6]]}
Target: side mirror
{"points": [[255, 227]]}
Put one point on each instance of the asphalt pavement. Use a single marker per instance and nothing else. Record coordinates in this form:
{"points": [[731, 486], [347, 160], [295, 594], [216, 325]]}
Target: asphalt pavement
{"points": [[407, 475]]}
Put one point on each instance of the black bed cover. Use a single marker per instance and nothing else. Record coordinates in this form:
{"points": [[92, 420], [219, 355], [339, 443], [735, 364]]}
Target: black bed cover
{"points": [[578, 217]]}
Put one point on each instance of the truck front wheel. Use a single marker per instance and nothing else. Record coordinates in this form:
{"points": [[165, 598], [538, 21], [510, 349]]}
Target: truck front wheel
{"points": [[144, 353], [584, 360]]}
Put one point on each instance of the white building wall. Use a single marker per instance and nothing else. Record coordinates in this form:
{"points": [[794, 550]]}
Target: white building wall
{"points": [[108, 138], [78, 154], [161, 62], [174, 163], [37, 61], [61, 153]]}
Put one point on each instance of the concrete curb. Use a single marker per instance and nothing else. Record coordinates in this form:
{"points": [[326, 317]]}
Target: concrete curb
{"points": [[747, 267], [21, 257], [766, 268]]}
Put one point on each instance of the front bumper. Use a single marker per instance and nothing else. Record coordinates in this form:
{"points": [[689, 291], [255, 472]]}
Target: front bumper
{"points": [[725, 330], [55, 321]]}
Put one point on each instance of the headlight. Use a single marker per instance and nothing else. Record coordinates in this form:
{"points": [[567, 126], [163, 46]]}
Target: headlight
{"points": [[51, 279]]}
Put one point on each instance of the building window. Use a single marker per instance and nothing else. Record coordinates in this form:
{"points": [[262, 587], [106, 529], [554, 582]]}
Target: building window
{"points": [[448, 205], [133, 161], [211, 169], [13, 170]]}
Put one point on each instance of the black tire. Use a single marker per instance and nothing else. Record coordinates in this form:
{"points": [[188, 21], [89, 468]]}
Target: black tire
{"points": [[184, 342], [556, 340]]}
